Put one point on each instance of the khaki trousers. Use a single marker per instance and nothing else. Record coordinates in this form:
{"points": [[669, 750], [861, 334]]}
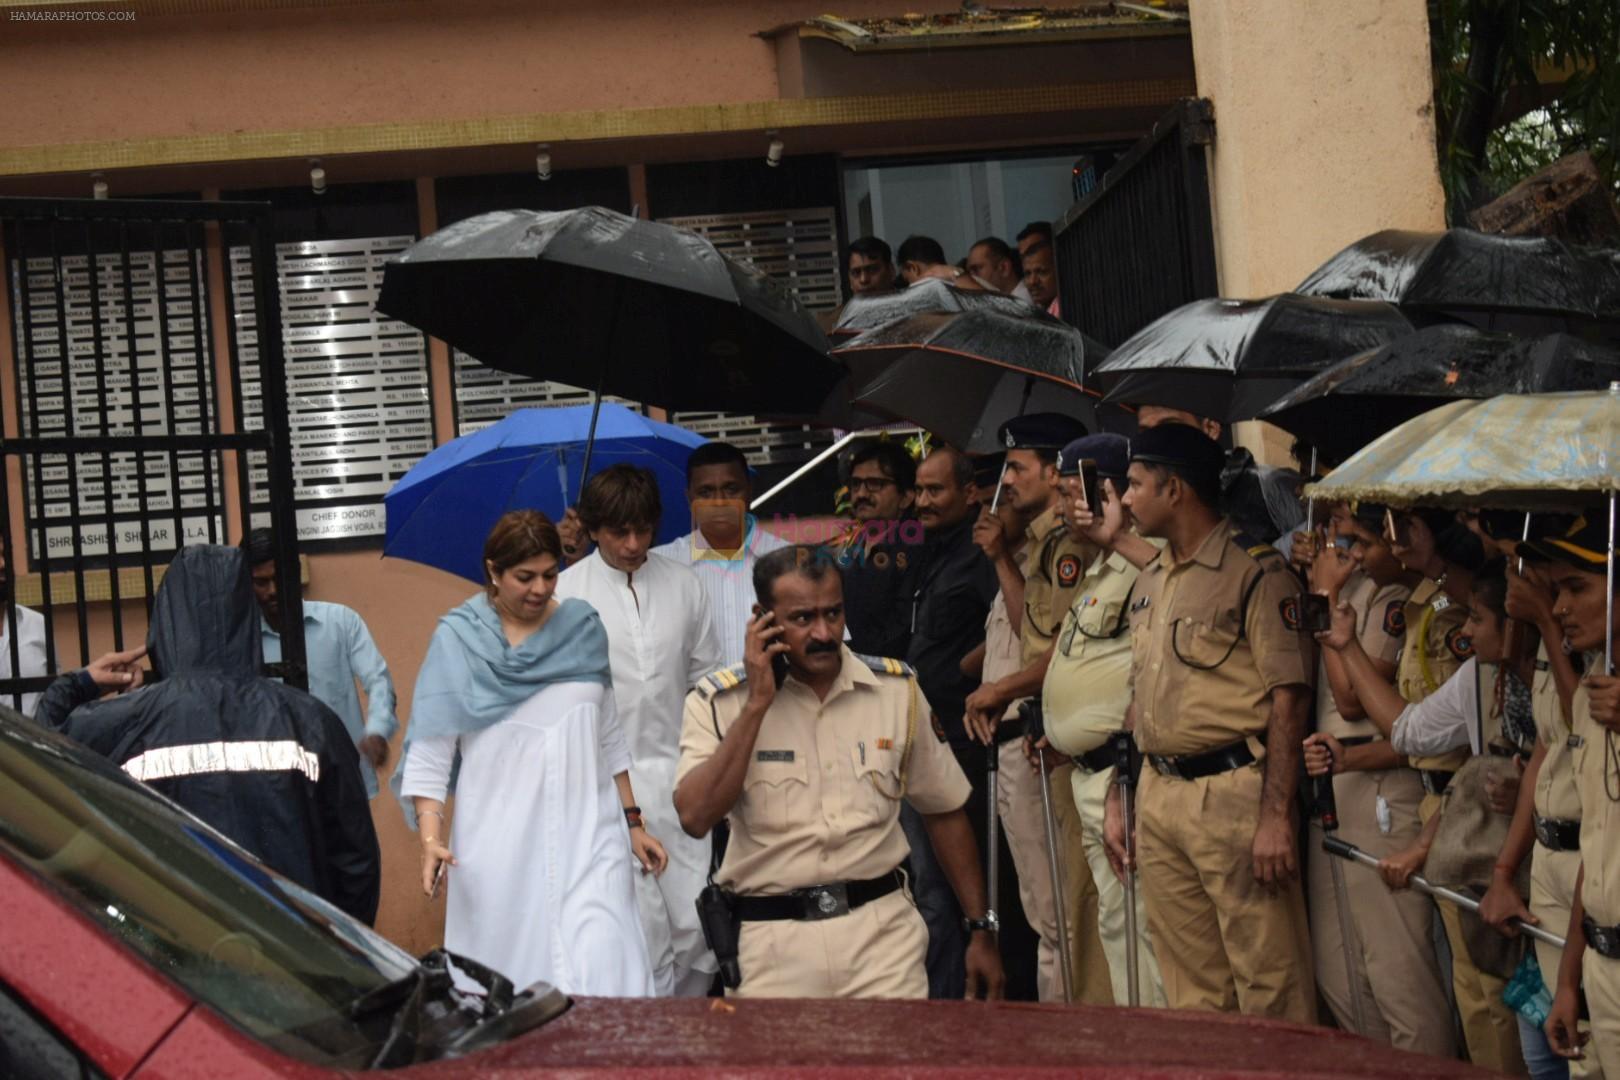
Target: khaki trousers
{"points": [[1223, 942], [1552, 894], [1490, 1028], [1403, 992], [876, 951], [1018, 804], [1601, 978], [1090, 797]]}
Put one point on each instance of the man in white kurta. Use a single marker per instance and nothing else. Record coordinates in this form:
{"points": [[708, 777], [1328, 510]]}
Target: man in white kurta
{"points": [[661, 640]]}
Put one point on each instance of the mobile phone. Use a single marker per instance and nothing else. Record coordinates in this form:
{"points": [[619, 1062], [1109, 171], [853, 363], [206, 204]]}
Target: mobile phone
{"points": [[779, 668], [1315, 614], [1091, 485]]}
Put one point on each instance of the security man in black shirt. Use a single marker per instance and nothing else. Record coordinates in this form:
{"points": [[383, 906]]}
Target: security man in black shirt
{"points": [[947, 616]]}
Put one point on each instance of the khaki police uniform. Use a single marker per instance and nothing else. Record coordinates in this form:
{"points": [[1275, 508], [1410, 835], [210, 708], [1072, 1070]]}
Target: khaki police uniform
{"points": [[1211, 638], [1557, 800], [1086, 692], [1053, 566], [821, 805], [1020, 813], [1435, 648], [1597, 775], [1402, 989]]}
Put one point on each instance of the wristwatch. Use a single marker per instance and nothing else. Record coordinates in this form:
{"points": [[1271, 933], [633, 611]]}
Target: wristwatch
{"points": [[990, 922]]}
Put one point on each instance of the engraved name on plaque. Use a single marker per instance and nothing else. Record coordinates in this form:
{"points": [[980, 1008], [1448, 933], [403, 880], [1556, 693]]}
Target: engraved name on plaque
{"points": [[357, 383]]}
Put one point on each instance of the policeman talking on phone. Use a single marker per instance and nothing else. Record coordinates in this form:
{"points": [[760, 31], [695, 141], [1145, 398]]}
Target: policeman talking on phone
{"points": [[808, 750]]}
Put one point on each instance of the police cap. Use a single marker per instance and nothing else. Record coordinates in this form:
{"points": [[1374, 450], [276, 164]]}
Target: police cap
{"points": [[1370, 515], [1584, 546], [1180, 447], [1040, 431], [1111, 452]]}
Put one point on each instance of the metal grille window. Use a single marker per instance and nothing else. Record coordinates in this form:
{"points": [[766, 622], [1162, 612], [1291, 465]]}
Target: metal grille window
{"points": [[121, 452], [137, 363], [357, 383], [799, 248], [1154, 203]]}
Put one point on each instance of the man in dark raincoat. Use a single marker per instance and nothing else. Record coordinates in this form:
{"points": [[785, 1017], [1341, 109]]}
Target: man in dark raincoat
{"points": [[267, 765]]}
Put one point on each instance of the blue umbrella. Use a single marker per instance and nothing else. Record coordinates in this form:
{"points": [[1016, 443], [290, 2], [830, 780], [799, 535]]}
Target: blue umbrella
{"points": [[440, 511]]}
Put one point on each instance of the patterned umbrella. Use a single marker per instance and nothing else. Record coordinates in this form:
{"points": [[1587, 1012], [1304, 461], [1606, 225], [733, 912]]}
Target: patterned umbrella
{"points": [[1516, 451]]}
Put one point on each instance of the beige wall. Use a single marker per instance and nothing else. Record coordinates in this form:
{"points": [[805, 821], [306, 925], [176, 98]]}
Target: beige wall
{"points": [[401, 602], [1324, 132], [389, 63]]}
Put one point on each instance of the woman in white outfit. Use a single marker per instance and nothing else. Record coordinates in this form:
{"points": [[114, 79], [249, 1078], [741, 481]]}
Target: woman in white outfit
{"points": [[514, 710]]}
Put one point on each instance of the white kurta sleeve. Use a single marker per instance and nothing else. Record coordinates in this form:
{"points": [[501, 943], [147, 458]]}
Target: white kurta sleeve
{"points": [[706, 654], [427, 767], [1445, 720], [610, 735]]}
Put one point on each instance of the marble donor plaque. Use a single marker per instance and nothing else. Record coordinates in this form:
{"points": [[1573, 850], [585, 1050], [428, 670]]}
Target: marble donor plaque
{"points": [[357, 383], [485, 396], [125, 354]]}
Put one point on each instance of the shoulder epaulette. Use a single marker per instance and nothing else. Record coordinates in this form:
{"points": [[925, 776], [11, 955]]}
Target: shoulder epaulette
{"points": [[721, 680], [886, 665], [1256, 549]]}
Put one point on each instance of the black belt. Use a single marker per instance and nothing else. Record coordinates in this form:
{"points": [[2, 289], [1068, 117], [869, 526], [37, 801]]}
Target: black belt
{"points": [[818, 901], [1435, 781], [1558, 834], [1098, 760], [1604, 939], [1197, 766]]}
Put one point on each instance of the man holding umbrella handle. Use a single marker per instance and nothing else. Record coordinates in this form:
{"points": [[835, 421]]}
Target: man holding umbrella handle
{"points": [[1053, 561]]}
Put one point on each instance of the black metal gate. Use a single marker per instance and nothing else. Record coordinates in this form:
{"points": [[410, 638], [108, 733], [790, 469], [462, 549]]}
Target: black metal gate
{"points": [[116, 449], [1142, 243]]}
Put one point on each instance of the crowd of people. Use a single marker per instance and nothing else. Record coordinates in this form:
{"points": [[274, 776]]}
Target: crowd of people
{"points": [[734, 761]]}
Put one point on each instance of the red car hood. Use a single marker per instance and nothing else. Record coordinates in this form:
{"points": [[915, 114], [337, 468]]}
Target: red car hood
{"points": [[785, 1038]]}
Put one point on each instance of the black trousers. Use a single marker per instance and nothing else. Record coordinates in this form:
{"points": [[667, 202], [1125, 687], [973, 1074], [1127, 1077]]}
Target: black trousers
{"points": [[947, 978]]}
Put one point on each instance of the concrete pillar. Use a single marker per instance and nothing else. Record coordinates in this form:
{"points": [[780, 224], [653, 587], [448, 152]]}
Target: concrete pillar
{"points": [[1324, 132]]}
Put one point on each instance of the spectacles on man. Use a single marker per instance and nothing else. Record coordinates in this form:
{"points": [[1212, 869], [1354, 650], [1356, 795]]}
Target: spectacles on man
{"points": [[871, 485]]}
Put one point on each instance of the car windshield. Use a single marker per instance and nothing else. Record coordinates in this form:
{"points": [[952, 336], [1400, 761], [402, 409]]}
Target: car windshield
{"points": [[271, 957]]}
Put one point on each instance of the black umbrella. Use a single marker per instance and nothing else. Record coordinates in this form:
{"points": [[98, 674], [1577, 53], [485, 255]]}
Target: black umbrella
{"points": [[1228, 359], [929, 296], [634, 308], [1358, 399], [962, 375], [1525, 284]]}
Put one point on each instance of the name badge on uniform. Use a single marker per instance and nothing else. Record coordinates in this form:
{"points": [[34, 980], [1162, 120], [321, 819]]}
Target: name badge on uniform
{"points": [[1440, 603], [774, 755], [1141, 605], [1575, 742]]}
